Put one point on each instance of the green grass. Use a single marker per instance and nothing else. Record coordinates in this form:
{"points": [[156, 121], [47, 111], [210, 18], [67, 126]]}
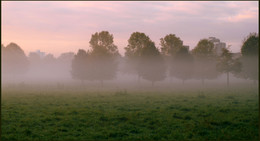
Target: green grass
{"points": [[122, 115]]}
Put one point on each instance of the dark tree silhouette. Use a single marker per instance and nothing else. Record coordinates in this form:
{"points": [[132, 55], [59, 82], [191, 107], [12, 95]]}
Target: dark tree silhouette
{"points": [[136, 43], [64, 62], [14, 60], [204, 61], [183, 64], [151, 66], [250, 45], [170, 45], [102, 56], [80, 66], [250, 57], [226, 64]]}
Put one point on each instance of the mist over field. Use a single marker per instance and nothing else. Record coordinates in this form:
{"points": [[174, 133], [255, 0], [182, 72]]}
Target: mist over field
{"points": [[145, 67], [130, 70]]}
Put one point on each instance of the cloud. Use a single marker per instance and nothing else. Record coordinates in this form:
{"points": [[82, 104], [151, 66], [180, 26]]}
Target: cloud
{"points": [[69, 25]]}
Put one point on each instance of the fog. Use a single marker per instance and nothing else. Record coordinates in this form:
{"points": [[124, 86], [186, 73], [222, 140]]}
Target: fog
{"points": [[21, 71]]}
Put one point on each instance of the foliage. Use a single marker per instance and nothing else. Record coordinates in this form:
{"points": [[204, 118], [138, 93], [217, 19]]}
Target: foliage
{"points": [[182, 64], [143, 57], [151, 64], [227, 64], [102, 56], [136, 43], [102, 44], [99, 63], [250, 57], [14, 60], [170, 45], [250, 69], [205, 60], [204, 49], [250, 45], [80, 66]]}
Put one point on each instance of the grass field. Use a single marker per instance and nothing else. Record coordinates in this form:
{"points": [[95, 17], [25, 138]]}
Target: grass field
{"points": [[130, 115]]}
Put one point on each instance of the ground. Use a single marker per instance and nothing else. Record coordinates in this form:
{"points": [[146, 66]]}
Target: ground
{"points": [[69, 114]]}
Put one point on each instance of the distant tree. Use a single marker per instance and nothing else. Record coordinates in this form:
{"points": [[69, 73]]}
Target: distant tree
{"points": [[183, 64], [226, 64], [151, 64], [49, 59], [250, 57], [64, 62], [205, 61], [80, 66], [170, 45], [34, 58], [66, 57], [103, 55], [136, 43], [250, 45], [14, 60]]}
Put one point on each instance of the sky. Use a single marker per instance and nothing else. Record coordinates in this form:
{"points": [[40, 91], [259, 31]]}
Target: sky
{"points": [[64, 26]]}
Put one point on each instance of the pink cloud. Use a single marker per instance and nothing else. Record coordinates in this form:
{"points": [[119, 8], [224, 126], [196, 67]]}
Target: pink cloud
{"points": [[61, 26]]}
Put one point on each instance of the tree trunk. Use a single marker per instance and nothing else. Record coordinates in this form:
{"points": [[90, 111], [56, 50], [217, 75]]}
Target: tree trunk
{"points": [[227, 79]]}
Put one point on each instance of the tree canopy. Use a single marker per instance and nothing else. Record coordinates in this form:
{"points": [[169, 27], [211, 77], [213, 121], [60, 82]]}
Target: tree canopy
{"points": [[226, 64], [205, 60], [99, 63], [136, 43], [14, 59], [250, 57], [151, 66], [182, 64], [80, 66], [170, 44], [250, 45]]}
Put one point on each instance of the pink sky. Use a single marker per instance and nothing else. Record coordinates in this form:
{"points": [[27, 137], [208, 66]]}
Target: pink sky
{"points": [[63, 26]]}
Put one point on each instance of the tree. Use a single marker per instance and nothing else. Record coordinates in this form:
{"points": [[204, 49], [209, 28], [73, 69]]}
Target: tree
{"points": [[170, 45], [136, 43], [205, 61], [64, 63], [102, 56], [34, 58], [49, 59], [250, 57], [80, 67], [226, 64], [14, 60], [250, 45], [183, 64], [151, 66], [66, 57]]}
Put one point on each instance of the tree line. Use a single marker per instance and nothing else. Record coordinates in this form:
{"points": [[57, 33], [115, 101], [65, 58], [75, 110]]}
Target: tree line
{"points": [[143, 59]]}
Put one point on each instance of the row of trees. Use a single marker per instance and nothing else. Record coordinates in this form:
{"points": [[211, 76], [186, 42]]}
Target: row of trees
{"points": [[144, 59], [16, 65], [148, 62]]}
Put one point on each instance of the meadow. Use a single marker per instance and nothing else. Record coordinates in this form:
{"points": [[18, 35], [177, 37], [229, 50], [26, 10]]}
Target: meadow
{"points": [[81, 114]]}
